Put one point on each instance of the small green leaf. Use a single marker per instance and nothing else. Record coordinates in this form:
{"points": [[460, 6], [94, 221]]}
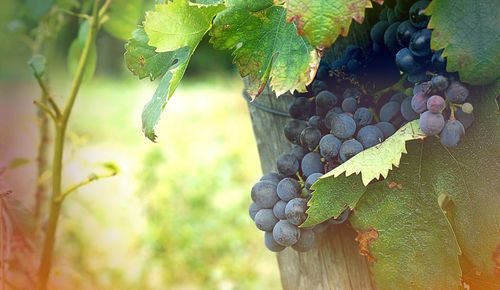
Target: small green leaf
{"points": [[265, 46], [143, 61], [411, 244], [178, 24], [332, 196], [37, 64], [75, 51], [468, 33], [123, 17], [18, 162], [378, 160], [322, 21]]}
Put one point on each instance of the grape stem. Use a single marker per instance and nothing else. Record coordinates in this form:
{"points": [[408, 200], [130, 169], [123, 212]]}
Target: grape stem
{"points": [[301, 181], [397, 87]]}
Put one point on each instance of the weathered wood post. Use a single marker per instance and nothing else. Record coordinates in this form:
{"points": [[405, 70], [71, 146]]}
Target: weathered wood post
{"points": [[335, 264]]}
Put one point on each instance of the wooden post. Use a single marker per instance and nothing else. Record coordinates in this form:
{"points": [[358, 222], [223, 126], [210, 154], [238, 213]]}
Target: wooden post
{"points": [[335, 263]]}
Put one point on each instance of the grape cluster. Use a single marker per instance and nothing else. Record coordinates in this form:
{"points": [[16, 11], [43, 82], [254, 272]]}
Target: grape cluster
{"points": [[338, 118]]}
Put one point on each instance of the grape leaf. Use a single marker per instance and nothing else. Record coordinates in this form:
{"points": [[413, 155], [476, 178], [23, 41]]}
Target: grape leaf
{"points": [[36, 9], [174, 28], [265, 46], [322, 21], [122, 17], [143, 61], [468, 174], [468, 33], [334, 192], [178, 23], [378, 160], [331, 196], [410, 244]]}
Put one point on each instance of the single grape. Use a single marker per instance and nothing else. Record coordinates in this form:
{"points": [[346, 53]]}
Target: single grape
{"points": [[295, 211], [363, 116], [417, 15], [265, 219], [312, 179], [424, 88], [390, 39], [418, 77], [329, 147], [312, 164], [343, 126], [264, 194], [419, 102], [349, 148], [439, 82], [378, 30], [370, 136], [397, 97], [329, 117], [298, 152], [431, 124], [436, 104], [420, 43], [306, 242], [351, 93], [406, 62], [387, 129], [451, 134], [288, 189], [390, 111], [293, 128], [271, 243], [467, 108], [318, 86], [287, 164], [279, 209], [309, 138], [404, 33], [272, 176], [464, 118], [253, 209], [300, 108], [349, 105], [438, 61], [315, 122], [456, 92], [326, 100], [285, 233], [407, 111]]}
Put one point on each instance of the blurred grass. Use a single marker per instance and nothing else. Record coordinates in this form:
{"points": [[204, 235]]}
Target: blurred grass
{"points": [[176, 217]]}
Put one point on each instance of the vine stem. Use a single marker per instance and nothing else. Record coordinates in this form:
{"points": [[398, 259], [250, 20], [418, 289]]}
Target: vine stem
{"points": [[397, 87], [61, 124]]}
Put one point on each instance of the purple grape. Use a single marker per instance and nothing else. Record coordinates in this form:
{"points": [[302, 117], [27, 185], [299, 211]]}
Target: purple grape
{"points": [[363, 117], [370, 136], [349, 148], [285, 233], [271, 243], [431, 124], [309, 138], [312, 164], [306, 242], [452, 133], [343, 126], [436, 104], [287, 164], [265, 219], [407, 111], [349, 105], [295, 211], [329, 147], [264, 194], [419, 102], [279, 209], [387, 129], [288, 189], [456, 92]]}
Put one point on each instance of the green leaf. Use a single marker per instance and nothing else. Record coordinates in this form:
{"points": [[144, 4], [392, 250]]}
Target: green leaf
{"points": [[36, 9], [469, 175], [322, 21], [175, 28], [75, 51], [178, 24], [37, 64], [332, 196], [123, 17], [334, 192], [265, 46], [468, 33], [378, 160], [143, 61], [403, 231]]}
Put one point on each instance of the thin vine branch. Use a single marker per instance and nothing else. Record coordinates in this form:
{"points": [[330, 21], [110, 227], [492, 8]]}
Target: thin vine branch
{"points": [[45, 109], [91, 178]]}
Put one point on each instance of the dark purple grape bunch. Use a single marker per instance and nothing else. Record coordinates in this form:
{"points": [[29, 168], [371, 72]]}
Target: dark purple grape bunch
{"points": [[446, 117]]}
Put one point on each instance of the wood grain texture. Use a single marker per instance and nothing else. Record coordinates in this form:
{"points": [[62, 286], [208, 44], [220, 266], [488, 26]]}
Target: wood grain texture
{"points": [[335, 263]]}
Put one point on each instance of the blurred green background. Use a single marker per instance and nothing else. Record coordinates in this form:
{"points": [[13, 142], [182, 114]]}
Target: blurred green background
{"points": [[176, 216]]}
